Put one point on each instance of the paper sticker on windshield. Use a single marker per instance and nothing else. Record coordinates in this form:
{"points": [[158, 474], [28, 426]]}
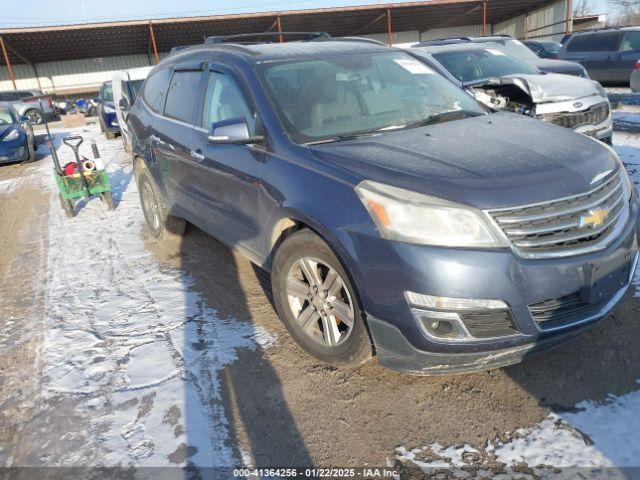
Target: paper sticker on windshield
{"points": [[493, 51], [413, 66]]}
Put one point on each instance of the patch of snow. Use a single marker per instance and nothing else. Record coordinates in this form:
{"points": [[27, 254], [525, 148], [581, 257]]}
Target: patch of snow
{"points": [[124, 336]]}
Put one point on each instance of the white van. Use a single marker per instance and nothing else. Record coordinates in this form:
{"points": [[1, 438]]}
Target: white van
{"points": [[126, 87]]}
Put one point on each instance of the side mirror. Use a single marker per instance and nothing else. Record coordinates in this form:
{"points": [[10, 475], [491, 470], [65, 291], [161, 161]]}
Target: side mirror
{"points": [[123, 104], [232, 131]]}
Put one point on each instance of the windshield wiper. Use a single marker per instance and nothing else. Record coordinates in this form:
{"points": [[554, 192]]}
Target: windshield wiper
{"points": [[342, 138], [443, 117]]}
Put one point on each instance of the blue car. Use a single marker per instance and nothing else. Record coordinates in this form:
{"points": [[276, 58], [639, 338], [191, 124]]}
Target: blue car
{"points": [[17, 142], [107, 112], [396, 216]]}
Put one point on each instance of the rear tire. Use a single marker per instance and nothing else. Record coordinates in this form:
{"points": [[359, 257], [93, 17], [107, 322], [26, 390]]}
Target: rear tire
{"points": [[67, 206], [322, 314], [160, 222]]}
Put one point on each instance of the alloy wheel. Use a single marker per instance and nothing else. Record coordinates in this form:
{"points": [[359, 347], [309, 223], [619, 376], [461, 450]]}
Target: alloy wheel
{"points": [[320, 301], [150, 206], [35, 117]]}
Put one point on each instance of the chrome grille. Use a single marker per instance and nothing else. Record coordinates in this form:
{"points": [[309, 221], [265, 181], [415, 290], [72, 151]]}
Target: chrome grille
{"points": [[561, 227], [591, 116]]}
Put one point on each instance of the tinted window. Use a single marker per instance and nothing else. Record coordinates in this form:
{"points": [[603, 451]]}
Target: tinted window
{"points": [[472, 65], [9, 96], [579, 43], [224, 100], [604, 42], [551, 47], [630, 42], [321, 99], [181, 98], [594, 42], [155, 89]]}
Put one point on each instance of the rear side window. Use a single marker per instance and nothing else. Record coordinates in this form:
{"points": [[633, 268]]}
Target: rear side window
{"points": [[604, 42], [155, 89], [594, 42], [579, 43], [182, 95], [630, 42], [9, 96]]}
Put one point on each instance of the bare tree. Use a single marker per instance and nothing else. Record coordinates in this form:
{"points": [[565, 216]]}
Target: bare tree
{"points": [[582, 8], [628, 11]]}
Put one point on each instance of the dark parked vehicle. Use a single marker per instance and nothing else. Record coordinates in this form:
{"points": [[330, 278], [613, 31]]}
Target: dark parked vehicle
{"points": [[544, 49], [391, 209], [17, 141], [107, 115], [609, 55], [517, 49]]}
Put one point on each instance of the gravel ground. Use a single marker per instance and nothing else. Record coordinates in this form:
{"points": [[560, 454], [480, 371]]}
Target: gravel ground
{"points": [[117, 350]]}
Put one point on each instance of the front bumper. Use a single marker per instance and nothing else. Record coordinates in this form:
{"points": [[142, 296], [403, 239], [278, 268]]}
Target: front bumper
{"points": [[602, 130], [479, 274]]}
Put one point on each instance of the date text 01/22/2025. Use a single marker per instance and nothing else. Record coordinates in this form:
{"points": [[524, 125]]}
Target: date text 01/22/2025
{"points": [[315, 472]]}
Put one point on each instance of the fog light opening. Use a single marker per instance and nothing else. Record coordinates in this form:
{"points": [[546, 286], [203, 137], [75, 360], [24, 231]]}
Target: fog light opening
{"points": [[441, 325]]}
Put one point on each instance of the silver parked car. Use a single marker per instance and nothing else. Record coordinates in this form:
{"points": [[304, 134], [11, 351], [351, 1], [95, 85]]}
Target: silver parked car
{"points": [[27, 104], [503, 82]]}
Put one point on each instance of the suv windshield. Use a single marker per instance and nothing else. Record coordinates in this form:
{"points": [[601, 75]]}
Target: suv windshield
{"points": [[513, 47], [343, 96], [551, 47], [470, 66]]}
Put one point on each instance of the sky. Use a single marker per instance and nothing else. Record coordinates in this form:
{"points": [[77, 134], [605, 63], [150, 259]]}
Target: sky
{"points": [[51, 12]]}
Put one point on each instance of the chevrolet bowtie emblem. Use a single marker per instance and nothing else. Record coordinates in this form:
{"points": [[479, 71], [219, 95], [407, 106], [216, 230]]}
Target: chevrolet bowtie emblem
{"points": [[594, 218]]}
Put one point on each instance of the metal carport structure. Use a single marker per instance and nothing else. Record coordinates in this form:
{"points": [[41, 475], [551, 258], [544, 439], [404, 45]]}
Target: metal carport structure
{"points": [[68, 42]]}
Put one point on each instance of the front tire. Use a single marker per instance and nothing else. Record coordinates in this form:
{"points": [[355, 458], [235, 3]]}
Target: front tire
{"points": [[317, 302], [160, 222]]}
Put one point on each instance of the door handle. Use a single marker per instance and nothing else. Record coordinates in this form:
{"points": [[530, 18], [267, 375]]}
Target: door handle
{"points": [[196, 155]]}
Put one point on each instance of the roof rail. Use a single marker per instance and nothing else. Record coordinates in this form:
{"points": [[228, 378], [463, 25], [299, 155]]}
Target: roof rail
{"points": [[179, 48], [270, 37]]}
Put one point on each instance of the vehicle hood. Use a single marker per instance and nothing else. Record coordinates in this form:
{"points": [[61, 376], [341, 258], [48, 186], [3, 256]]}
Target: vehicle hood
{"points": [[491, 161], [558, 66], [550, 87]]}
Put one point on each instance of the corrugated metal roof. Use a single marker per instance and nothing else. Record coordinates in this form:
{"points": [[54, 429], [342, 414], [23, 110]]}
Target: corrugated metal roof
{"points": [[39, 44]]}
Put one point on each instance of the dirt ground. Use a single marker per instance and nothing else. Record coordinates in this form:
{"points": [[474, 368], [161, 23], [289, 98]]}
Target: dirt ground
{"points": [[283, 408]]}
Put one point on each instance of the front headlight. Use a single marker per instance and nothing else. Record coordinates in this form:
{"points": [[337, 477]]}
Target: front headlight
{"points": [[601, 90], [12, 135], [411, 217], [108, 109]]}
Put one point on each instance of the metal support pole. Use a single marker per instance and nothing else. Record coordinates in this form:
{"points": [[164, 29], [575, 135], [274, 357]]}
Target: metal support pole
{"points": [[35, 71], [484, 17], [6, 59], [153, 42], [389, 29], [279, 23], [569, 26]]}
